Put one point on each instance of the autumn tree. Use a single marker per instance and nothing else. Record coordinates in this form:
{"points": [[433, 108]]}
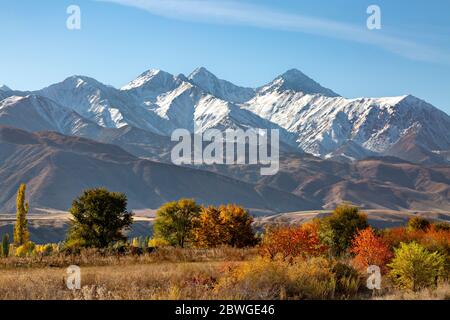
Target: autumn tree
{"points": [[370, 249], [209, 229], [339, 229], [292, 241], [227, 225], [175, 221], [418, 224], [237, 223], [99, 218], [21, 235]]}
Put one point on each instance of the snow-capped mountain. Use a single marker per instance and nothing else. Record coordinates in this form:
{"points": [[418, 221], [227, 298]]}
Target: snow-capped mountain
{"points": [[148, 86], [105, 105], [189, 103], [4, 88], [221, 89], [296, 81], [37, 113], [5, 92], [323, 124], [314, 118]]}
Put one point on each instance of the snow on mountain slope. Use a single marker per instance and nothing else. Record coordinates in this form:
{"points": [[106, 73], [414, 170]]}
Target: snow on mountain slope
{"points": [[190, 106], [297, 81], [37, 113], [102, 104], [149, 85], [323, 123], [222, 89], [320, 121]]}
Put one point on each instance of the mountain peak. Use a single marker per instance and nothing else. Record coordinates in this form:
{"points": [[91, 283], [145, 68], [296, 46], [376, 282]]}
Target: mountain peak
{"points": [[151, 77], [219, 88], [201, 72], [4, 88], [293, 73], [79, 80], [295, 80]]}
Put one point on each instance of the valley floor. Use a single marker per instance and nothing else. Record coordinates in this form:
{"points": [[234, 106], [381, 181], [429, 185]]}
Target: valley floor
{"points": [[51, 227], [170, 274]]}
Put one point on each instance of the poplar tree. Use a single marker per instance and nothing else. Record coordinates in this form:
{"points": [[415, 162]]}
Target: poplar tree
{"points": [[21, 235]]}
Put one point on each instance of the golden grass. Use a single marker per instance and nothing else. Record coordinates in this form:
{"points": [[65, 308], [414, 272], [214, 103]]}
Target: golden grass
{"points": [[222, 273], [136, 282], [442, 292], [94, 257]]}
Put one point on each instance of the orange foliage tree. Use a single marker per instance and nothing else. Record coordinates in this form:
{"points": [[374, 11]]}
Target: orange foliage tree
{"points": [[209, 229], [370, 249], [227, 225], [238, 226], [436, 239], [287, 242]]}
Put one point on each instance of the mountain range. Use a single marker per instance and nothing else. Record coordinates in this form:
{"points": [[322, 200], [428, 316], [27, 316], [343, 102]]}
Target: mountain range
{"points": [[389, 152]]}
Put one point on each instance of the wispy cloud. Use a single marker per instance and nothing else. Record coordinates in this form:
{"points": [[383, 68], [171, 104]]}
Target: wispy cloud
{"points": [[239, 13]]}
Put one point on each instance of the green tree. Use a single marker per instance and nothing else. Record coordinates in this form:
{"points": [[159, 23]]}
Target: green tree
{"points": [[175, 221], [5, 245], [99, 218], [418, 224], [338, 230], [414, 267], [21, 235]]}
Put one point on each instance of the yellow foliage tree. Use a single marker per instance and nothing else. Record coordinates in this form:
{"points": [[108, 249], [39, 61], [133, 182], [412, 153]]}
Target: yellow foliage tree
{"points": [[227, 225], [209, 231], [238, 225], [21, 235]]}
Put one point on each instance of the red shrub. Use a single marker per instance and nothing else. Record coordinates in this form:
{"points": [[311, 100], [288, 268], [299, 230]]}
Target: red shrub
{"points": [[370, 249]]}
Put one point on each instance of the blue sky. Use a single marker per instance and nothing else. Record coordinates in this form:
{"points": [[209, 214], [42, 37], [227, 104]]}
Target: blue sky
{"points": [[248, 42]]}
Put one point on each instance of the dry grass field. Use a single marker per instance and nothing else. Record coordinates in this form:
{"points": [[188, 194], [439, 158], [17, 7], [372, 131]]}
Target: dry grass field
{"points": [[171, 274]]}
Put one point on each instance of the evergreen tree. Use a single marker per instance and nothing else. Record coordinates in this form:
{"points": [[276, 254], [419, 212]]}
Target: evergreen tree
{"points": [[5, 245], [21, 235]]}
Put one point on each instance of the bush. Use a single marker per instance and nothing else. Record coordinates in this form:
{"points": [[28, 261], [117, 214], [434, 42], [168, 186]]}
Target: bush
{"points": [[442, 226], [418, 224], [158, 243], [25, 250], [348, 280], [394, 236], [45, 250], [300, 241], [266, 279], [370, 249], [414, 267], [339, 229], [278, 279], [98, 219]]}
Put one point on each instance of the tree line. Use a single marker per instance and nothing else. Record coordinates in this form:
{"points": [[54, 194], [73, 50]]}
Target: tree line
{"points": [[99, 218], [414, 256]]}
